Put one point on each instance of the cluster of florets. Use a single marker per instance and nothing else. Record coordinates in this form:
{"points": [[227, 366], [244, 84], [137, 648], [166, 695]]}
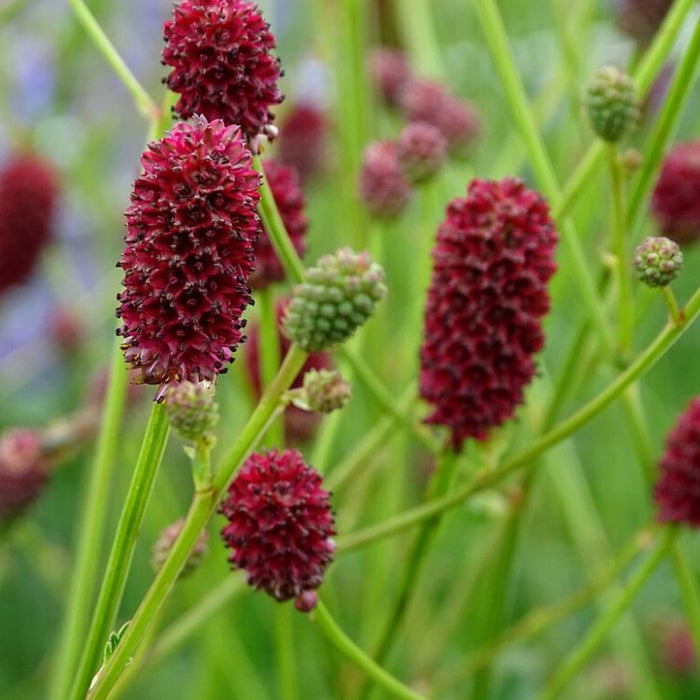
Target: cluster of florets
{"points": [[289, 199], [339, 295], [483, 318], [301, 140], [641, 18], [657, 260], [280, 524], [191, 228], [299, 424], [223, 68], [675, 201], [437, 123], [166, 540], [612, 103], [28, 192], [677, 490], [192, 410]]}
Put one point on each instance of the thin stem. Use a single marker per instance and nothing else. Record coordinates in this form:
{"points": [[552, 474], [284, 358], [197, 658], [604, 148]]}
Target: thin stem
{"points": [[274, 227], [94, 511], [144, 104], [625, 312], [664, 127], [674, 312], [690, 592], [497, 41], [269, 353], [284, 645], [203, 506], [583, 651], [351, 651], [647, 71], [418, 33], [119, 562], [489, 479]]}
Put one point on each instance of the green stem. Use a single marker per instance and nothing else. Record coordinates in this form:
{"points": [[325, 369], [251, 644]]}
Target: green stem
{"points": [[625, 311], [499, 47], [284, 645], [690, 592], [375, 387], [489, 479], [647, 71], [674, 312], [94, 511], [119, 562], [664, 127], [583, 651], [269, 354], [418, 33], [144, 104], [274, 227], [203, 506], [351, 651]]}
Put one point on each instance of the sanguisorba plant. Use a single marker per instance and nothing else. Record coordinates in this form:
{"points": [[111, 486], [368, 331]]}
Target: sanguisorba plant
{"points": [[470, 398]]}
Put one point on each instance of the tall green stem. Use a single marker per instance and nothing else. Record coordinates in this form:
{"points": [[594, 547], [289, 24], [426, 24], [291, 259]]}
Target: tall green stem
{"points": [[350, 650], [284, 646], [583, 651], [269, 353], [203, 505], [94, 509], [123, 546]]}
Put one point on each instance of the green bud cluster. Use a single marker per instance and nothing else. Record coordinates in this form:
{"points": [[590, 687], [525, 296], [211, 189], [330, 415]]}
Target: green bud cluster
{"points": [[324, 391], [192, 410], [339, 295], [612, 103], [657, 260]]}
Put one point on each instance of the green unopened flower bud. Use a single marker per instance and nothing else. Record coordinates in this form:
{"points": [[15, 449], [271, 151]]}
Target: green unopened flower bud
{"points": [[612, 103], [658, 260], [192, 410], [165, 543], [339, 295], [324, 391]]}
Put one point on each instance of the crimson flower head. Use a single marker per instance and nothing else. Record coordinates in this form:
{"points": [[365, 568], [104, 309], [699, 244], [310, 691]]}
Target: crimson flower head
{"points": [[28, 192], [675, 201], [487, 296], [191, 228], [299, 425], [223, 68], [289, 198], [677, 490], [390, 72], [383, 187], [640, 19], [301, 141], [280, 524]]}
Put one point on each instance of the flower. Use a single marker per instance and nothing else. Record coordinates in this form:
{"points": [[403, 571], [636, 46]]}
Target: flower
{"points": [[284, 184], [383, 188], [677, 490], [166, 540], [611, 101], [280, 524], [220, 53], [675, 201], [23, 471], [641, 18], [488, 293], [390, 72], [191, 227], [28, 193], [299, 424], [192, 410], [421, 150], [339, 295], [301, 140], [427, 101], [657, 261]]}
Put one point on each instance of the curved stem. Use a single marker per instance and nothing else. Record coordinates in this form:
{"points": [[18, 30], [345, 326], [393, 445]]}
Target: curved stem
{"points": [[269, 349], [203, 505], [489, 479], [119, 562], [674, 312], [94, 510], [350, 650], [582, 652], [690, 592], [144, 104]]}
